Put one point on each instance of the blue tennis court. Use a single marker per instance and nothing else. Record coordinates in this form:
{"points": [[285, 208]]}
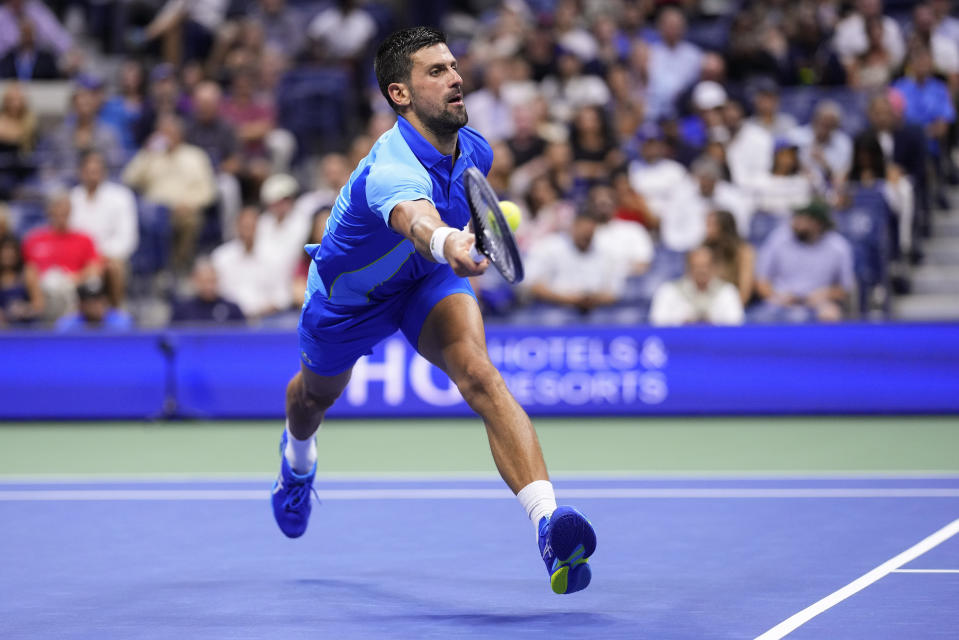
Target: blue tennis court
{"points": [[712, 557]]}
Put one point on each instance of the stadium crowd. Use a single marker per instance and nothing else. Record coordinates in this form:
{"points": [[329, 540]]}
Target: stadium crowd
{"points": [[702, 161]]}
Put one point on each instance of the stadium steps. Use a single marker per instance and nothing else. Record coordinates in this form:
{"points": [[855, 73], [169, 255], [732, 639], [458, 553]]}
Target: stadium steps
{"points": [[935, 283]]}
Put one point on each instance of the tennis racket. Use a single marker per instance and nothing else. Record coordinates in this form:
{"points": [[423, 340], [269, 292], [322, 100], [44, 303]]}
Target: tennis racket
{"points": [[494, 240]]}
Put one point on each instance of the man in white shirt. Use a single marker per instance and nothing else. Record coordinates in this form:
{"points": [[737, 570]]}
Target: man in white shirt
{"points": [[490, 112], [749, 153], [244, 276], [282, 232], [107, 212], [824, 148], [715, 194], [673, 63], [568, 270], [699, 297], [625, 241]]}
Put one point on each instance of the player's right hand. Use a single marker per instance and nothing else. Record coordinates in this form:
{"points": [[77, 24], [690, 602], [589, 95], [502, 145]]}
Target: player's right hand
{"points": [[457, 253]]}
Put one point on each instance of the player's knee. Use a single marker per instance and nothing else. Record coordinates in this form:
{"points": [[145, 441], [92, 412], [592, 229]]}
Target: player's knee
{"points": [[478, 379], [304, 400]]}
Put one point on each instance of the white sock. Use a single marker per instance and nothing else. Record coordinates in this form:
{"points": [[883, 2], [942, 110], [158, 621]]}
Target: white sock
{"points": [[538, 499], [301, 454]]}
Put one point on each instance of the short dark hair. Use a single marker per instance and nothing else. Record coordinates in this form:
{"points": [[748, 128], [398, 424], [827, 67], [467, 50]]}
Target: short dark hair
{"points": [[394, 57]]}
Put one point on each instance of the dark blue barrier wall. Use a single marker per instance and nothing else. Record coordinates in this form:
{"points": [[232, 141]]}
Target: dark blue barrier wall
{"points": [[570, 371]]}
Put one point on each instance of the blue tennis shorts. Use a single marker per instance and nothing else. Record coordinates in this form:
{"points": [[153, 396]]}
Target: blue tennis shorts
{"points": [[333, 337]]}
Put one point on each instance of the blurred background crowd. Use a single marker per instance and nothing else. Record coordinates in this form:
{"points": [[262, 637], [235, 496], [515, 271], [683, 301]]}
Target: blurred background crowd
{"points": [[699, 161]]}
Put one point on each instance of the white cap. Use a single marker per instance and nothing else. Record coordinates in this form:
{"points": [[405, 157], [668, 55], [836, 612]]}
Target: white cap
{"points": [[277, 187], [708, 95]]}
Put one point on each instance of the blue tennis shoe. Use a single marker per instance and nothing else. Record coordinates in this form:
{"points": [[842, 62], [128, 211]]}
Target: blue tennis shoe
{"points": [[291, 496], [566, 541]]}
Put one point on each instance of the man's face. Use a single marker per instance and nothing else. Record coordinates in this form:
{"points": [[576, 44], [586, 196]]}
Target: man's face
{"points": [[806, 228], [205, 282], [58, 212], [94, 309], [582, 233], [92, 172], [701, 269], [436, 90]]}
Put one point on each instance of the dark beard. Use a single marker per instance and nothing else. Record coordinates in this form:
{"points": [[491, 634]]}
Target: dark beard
{"points": [[445, 123]]}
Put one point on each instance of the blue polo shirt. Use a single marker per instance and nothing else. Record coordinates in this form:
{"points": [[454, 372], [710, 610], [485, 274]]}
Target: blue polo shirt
{"points": [[362, 260]]}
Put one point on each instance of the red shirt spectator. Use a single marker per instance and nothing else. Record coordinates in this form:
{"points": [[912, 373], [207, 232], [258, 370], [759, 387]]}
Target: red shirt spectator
{"points": [[56, 245]]}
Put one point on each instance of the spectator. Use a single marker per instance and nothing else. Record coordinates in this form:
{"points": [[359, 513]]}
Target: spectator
{"points": [[626, 242], [280, 232], [569, 88], [18, 134], [629, 204], [124, 110], [346, 29], [27, 61], [735, 259], [824, 148], [804, 271], [749, 152], [208, 131], [82, 131], [62, 257], [927, 100], [206, 304], [699, 297], [48, 33], [851, 38], [873, 68], [163, 99], [708, 99], [568, 270], [186, 28], [787, 187], [94, 311], [244, 276], [549, 213], [673, 63], [871, 171], [332, 175], [317, 231], [176, 175], [944, 51], [283, 26], [945, 24], [594, 148], [716, 194], [767, 113], [21, 300], [107, 212], [490, 112], [526, 143], [253, 116]]}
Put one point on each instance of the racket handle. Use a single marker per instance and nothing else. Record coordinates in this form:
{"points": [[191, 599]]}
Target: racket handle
{"points": [[476, 255]]}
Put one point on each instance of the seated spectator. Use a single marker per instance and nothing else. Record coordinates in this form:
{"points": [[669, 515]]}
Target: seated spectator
{"points": [[874, 67], [717, 194], [824, 148], [18, 135], [804, 271], [944, 50], [706, 123], [176, 175], [280, 231], [253, 116], [851, 38], [625, 241], [548, 213], [594, 146], [629, 204], [346, 29], [206, 304], [124, 110], [94, 311], [735, 259], [767, 114], [871, 171], [787, 187], [568, 270], [164, 98], [490, 111], [749, 152], [27, 61], [244, 276], [210, 132], [82, 131], [186, 28], [107, 212], [283, 26], [699, 297], [62, 257], [570, 88], [526, 142], [47, 31], [927, 100], [21, 300], [673, 63]]}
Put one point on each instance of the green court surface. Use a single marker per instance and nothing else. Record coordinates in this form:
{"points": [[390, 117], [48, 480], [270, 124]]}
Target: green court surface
{"points": [[584, 445]]}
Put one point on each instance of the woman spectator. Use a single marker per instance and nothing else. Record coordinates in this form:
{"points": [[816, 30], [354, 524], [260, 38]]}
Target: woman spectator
{"points": [[872, 69], [21, 300], [548, 213], [18, 132], [735, 258], [786, 188]]}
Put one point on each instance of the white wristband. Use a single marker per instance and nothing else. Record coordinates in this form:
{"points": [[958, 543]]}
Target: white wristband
{"points": [[438, 241]]}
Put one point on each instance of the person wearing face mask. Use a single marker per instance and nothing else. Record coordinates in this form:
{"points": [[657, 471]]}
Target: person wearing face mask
{"points": [[804, 270]]}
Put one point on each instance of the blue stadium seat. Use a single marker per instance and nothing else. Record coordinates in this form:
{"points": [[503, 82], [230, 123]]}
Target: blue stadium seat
{"points": [[153, 252], [761, 225], [800, 102]]}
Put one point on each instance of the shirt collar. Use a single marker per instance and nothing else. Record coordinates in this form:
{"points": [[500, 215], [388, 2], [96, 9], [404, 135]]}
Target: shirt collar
{"points": [[421, 147]]}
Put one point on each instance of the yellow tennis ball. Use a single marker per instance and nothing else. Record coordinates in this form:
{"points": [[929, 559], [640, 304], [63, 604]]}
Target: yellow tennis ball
{"points": [[512, 214]]}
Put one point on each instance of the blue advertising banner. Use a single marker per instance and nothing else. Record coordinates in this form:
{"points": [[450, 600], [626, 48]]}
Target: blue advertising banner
{"points": [[560, 371]]}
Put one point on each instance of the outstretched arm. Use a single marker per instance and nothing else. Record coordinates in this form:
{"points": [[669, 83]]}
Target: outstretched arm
{"points": [[419, 221]]}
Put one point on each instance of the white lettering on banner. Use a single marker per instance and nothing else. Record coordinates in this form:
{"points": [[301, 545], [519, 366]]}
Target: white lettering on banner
{"points": [[423, 384], [540, 371], [391, 372]]}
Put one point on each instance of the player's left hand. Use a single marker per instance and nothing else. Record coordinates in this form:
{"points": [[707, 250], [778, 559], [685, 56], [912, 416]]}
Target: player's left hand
{"points": [[457, 252]]}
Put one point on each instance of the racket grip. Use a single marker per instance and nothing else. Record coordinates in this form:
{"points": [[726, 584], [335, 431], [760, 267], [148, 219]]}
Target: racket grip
{"points": [[476, 255]]}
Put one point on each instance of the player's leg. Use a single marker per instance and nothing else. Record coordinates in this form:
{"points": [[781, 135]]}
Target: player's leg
{"points": [[308, 396], [453, 338]]}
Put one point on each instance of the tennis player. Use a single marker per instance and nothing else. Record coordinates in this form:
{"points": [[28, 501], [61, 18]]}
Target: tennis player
{"points": [[395, 256]]}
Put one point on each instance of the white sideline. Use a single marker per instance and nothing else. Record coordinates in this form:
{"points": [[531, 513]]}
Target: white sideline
{"points": [[925, 571], [75, 495], [795, 621]]}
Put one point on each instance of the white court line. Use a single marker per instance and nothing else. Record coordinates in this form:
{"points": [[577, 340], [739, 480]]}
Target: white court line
{"points": [[925, 571], [41, 495], [792, 623]]}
